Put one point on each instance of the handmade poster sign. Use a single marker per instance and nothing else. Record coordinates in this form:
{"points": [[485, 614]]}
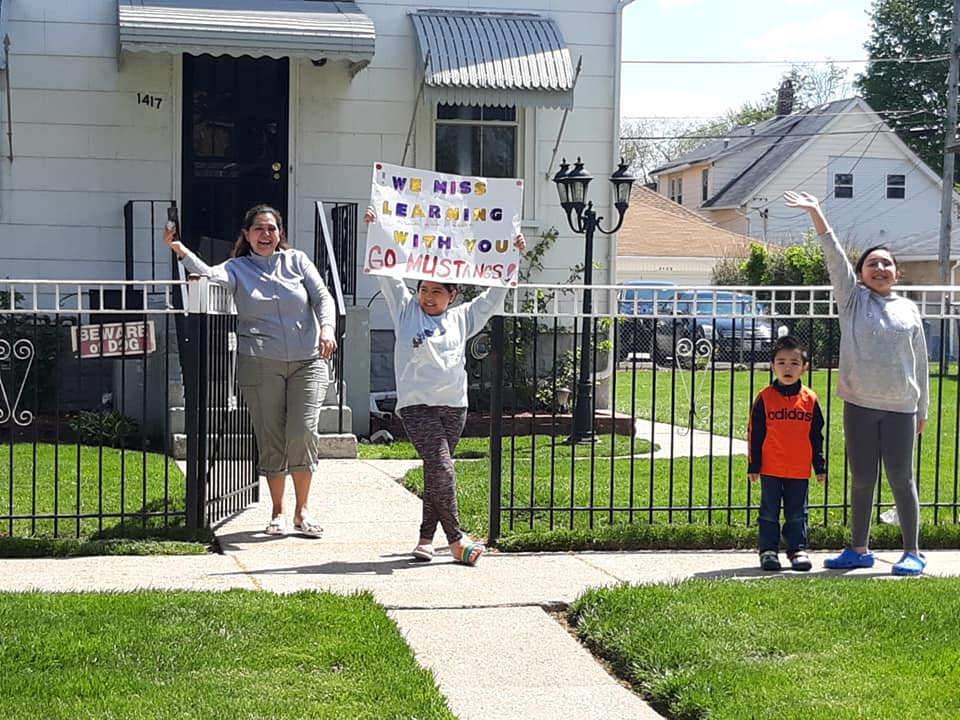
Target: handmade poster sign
{"points": [[442, 227]]}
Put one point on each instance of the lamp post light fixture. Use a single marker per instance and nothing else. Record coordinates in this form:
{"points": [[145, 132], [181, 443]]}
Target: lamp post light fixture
{"points": [[572, 188]]}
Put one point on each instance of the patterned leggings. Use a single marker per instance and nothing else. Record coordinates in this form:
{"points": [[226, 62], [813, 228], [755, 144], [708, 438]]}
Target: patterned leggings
{"points": [[435, 431]]}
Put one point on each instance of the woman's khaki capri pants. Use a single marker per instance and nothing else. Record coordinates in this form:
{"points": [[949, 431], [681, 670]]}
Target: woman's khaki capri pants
{"points": [[284, 400]]}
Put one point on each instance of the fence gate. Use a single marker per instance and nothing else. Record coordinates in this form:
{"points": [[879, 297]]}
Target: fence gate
{"points": [[221, 450]]}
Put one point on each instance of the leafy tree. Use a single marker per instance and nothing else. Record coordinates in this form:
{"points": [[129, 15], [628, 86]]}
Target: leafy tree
{"points": [[812, 86], [648, 144], [800, 265], [910, 29]]}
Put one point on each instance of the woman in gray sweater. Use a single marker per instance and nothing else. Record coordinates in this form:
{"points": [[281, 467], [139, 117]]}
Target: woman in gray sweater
{"points": [[883, 381], [285, 331]]}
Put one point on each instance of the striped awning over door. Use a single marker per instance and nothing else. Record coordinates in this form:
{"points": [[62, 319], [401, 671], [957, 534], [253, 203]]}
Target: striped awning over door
{"points": [[259, 28]]}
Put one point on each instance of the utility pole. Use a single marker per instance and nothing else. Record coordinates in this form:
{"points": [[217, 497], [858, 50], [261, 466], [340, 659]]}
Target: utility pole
{"points": [[949, 150]]}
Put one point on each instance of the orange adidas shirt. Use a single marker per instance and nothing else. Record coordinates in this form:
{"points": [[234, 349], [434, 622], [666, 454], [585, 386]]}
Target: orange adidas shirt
{"points": [[785, 434]]}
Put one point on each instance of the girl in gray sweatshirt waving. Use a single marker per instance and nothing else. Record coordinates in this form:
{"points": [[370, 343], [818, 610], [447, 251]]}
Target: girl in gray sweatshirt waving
{"points": [[883, 381]]}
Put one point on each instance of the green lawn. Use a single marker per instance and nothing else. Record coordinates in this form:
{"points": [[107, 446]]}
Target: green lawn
{"points": [[74, 480], [785, 648], [189, 655], [720, 402], [605, 497]]}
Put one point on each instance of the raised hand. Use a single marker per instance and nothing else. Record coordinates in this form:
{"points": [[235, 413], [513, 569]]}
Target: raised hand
{"points": [[520, 243], [169, 237], [800, 200], [806, 201]]}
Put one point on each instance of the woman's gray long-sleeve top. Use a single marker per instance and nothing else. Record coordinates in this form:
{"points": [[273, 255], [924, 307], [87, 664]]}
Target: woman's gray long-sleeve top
{"points": [[883, 350], [281, 302]]}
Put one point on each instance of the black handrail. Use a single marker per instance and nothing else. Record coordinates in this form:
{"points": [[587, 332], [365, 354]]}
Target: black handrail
{"points": [[326, 261]]}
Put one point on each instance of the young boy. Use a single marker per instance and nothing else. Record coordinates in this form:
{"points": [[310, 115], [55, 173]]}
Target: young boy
{"points": [[785, 438]]}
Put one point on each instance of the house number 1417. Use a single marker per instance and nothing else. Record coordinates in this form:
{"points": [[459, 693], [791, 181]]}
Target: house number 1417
{"points": [[149, 100]]}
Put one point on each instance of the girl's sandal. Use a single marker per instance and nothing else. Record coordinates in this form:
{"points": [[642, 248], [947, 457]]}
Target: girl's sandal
{"points": [[423, 553], [466, 551]]}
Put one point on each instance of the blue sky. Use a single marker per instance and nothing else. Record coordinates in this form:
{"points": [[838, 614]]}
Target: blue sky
{"points": [[770, 30]]}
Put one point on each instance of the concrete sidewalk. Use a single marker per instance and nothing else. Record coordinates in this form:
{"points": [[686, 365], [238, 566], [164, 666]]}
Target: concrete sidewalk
{"points": [[493, 619]]}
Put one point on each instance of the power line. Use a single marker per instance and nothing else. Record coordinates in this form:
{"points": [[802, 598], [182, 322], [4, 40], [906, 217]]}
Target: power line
{"points": [[758, 136], [889, 113], [912, 60]]}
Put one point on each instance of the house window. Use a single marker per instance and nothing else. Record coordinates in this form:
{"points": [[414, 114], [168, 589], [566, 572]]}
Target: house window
{"points": [[896, 187], [704, 184], [843, 185], [476, 140], [676, 190]]}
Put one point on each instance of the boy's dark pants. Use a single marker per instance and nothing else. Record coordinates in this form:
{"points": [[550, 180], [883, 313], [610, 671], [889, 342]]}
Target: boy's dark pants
{"points": [[793, 495]]}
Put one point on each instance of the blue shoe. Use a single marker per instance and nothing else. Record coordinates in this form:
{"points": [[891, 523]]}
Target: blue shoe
{"points": [[849, 559], [910, 564]]}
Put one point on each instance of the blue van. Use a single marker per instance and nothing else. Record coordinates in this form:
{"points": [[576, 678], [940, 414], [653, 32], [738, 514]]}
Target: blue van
{"points": [[737, 327], [638, 296], [636, 302]]}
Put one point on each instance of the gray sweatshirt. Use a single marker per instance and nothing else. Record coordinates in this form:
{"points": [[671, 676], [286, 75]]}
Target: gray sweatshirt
{"points": [[281, 302], [429, 354], [883, 350]]}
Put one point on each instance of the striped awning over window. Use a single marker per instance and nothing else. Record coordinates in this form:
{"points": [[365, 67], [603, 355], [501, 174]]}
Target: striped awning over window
{"points": [[490, 58], [314, 29]]}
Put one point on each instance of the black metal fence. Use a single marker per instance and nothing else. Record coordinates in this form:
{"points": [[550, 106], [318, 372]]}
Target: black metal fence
{"points": [[94, 412], [672, 386]]}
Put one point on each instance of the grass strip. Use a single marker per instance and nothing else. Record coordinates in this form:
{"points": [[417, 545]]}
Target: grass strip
{"points": [[183, 655], [790, 648]]}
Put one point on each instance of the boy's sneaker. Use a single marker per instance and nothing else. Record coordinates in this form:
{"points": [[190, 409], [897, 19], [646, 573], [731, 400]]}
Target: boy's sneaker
{"points": [[910, 564], [800, 561], [849, 559], [769, 560]]}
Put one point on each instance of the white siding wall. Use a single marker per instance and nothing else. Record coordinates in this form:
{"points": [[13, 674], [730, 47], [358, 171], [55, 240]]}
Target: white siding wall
{"points": [[385, 91], [83, 146], [852, 145], [679, 270]]}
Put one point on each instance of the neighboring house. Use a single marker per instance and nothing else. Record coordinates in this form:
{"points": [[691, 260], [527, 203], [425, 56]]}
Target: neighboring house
{"points": [[216, 104], [873, 188], [661, 240]]}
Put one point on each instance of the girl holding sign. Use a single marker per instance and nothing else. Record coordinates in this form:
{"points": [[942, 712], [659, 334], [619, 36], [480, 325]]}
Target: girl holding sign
{"points": [[430, 364]]}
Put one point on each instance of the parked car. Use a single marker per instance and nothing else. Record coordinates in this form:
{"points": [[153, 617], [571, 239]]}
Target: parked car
{"points": [[636, 303], [730, 326]]}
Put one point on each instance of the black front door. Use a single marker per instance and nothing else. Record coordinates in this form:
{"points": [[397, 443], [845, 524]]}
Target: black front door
{"points": [[234, 146]]}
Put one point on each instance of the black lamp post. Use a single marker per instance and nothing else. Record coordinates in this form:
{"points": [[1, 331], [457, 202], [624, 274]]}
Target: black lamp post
{"points": [[583, 219]]}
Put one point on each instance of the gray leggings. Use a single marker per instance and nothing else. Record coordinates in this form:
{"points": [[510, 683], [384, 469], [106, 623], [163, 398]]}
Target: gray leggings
{"points": [[435, 431], [872, 436]]}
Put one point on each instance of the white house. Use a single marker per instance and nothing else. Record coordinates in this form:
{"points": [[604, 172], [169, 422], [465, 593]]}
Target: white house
{"points": [[215, 104], [874, 189]]}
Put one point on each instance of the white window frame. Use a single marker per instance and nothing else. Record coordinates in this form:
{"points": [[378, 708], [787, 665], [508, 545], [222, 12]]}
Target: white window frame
{"points": [[523, 123], [517, 123], [838, 185], [898, 188]]}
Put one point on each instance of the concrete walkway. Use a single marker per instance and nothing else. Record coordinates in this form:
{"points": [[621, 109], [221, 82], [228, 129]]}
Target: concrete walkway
{"points": [[493, 618]]}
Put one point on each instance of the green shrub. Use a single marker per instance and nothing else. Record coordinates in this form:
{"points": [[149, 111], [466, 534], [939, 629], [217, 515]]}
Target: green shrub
{"points": [[106, 427]]}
